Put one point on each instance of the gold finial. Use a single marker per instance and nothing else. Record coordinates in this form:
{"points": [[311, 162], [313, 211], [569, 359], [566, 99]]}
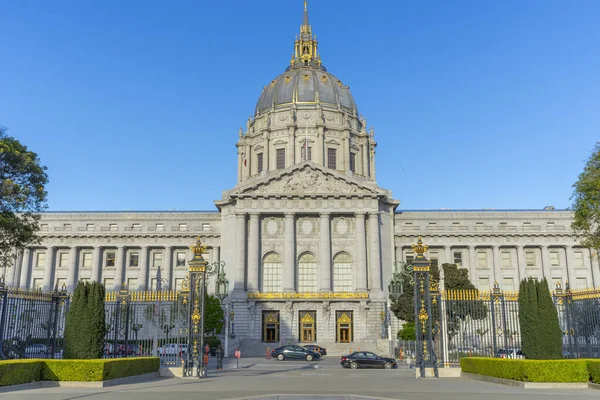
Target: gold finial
{"points": [[419, 248], [304, 5], [198, 248]]}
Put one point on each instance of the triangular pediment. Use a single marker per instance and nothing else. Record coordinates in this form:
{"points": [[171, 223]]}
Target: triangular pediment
{"points": [[306, 179]]}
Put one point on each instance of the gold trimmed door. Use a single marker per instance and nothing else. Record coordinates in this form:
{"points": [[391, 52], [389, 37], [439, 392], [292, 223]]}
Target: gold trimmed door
{"points": [[308, 326], [344, 332], [270, 331]]}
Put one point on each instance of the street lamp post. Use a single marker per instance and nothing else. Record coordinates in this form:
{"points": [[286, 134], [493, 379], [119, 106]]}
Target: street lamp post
{"points": [[222, 291], [159, 281], [402, 271]]}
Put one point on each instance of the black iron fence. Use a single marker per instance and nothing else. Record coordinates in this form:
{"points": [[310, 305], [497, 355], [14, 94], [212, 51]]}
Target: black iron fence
{"points": [[32, 323]]}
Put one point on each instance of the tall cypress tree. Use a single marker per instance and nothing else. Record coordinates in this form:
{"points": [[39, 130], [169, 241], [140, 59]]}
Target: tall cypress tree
{"points": [[550, 333], [97, 320], [527, 339], [75, 324]]}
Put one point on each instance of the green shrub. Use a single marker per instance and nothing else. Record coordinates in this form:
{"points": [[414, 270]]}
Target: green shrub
{"points": [[212, 341], [594, 370], [15, 372], [528, 370]]}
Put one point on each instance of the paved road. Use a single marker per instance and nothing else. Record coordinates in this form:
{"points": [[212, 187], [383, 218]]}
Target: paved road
{"points": [[295, 380]]}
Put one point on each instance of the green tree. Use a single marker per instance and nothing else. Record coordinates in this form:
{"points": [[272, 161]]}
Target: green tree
{"points": [[528, 318], [85, 325], [22, 197], [214, 320], [550, 332], [586, 202], [407, 332]]}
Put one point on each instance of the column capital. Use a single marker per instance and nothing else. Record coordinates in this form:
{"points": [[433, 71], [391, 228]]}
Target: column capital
{"points": [[325, 214], [254, 215], [373, 214], [360, 213], [289, 214]]}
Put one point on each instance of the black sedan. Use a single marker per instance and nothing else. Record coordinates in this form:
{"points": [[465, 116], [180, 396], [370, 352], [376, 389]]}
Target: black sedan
{"points": [[366, 359], [294, 352], [317, 349]]}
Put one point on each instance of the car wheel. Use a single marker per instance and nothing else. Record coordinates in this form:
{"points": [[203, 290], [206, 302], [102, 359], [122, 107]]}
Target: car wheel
{"points": [[353, 365], [280, 357], [309, 357], [387, 365]]}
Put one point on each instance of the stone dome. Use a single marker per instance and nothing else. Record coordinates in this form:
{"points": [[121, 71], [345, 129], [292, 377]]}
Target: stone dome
{"points": [[306, 85]]}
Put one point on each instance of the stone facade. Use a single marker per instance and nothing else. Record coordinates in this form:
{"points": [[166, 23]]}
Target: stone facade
{"points": [[307, 236]]}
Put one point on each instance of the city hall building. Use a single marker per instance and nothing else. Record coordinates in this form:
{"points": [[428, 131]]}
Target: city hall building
{"points": [[307, 236]]}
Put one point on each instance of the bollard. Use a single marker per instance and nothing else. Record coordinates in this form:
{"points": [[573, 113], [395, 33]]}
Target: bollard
{"points": [[401, 354], [238, 354], [350, 350], [268, 353]]}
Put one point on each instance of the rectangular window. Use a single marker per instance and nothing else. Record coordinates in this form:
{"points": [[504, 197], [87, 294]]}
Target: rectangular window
{"points": [[554, 259], [331, 159], [578, 259], [38, 283], [160, 227], [61, 282], [109, 284], [482, 261], [555, 280], [67, 227], [181, 259], [506, 260], [581, 283], [84, 280], [410, 257], [508, 284], [89, 227], [353, 162], [183, 227], [40, 260], [86, 260], [110, 258], [308, 155], [136, 227], [156, 260], [134, 259], [132, 283], [280, 158], [178, 283], [63, 259], [484, 283], [259, 162], [205, 226], [458, 258], [44, 227], [112, 227], [153, 284], [530, 259], [434, 258]]}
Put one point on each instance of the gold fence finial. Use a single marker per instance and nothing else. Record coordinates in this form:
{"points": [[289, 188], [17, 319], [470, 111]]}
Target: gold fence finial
{"points": [[419, 248], [198, 249]]}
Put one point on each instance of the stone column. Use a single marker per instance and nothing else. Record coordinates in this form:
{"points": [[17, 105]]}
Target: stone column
{"points": [[545, 263], [96, 264], [120, 264], [448, 255], [593, 262], [570, 266], [521, 263], [48, 269], [361, 253], [25, 270], [144, 269], [266, 158], [253, 254], [365, 158], [325, 252], [11, 274], [346, 153], [473, 275], [167, 272], [497, 265], [240, 252], [289, 250], [374, 252], [72, 273]]}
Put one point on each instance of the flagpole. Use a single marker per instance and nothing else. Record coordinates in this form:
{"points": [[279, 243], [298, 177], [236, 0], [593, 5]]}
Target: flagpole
{"points": [[306, 142]]}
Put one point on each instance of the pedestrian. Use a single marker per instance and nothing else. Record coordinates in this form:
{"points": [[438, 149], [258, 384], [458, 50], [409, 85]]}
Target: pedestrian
{"points": [[220, 355]]}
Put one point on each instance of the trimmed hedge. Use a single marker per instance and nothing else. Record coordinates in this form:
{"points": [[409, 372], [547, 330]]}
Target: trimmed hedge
{"points": [[594, 369], [14, 372], [20, 371], [529, 370]]}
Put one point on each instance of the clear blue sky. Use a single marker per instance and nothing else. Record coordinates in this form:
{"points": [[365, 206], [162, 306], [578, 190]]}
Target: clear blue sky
{"points": [[137, 104]]}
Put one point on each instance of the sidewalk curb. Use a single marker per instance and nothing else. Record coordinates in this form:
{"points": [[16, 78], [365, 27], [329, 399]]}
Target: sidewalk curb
{"points": [[81, 384]]}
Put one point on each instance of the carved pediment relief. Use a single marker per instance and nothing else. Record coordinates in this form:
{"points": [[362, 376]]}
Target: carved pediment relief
{"points": [[309, 180]]}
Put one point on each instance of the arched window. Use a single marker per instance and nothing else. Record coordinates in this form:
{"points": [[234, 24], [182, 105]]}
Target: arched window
{"points": [[307, 273], [342, 273], [271, 269]]}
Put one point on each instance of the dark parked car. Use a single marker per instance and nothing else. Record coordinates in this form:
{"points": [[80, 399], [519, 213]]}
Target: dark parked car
{"points": [[294, 352], [366, 359], [317, 349], [510, 353]]}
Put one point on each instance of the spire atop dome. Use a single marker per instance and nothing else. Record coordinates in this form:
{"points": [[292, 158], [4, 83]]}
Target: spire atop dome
{"points": [[305, 46]]}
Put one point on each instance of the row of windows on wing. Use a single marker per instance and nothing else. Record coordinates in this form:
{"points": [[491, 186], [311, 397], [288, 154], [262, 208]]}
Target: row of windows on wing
{"points": [[110, 258], [508, 260], [306, 154], [109, 283], [481, 226], [307, 273], [113, 227]]}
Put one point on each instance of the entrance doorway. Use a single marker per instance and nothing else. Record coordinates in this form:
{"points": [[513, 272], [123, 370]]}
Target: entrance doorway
{"points": [[270, 328], [344, 326], [308, 326]]}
